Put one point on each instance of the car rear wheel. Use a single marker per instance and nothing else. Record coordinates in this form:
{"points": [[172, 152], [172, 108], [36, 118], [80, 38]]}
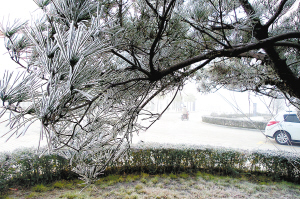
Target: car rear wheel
{"points": [[282, 137]]}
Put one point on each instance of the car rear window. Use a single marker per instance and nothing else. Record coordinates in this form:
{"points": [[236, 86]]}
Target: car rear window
{"points": [[291, 118]]}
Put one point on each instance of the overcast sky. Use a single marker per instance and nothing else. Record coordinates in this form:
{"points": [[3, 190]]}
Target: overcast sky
{"points": [[9, 11]]}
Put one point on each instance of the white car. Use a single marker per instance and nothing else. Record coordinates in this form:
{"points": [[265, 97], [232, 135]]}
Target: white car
{"points": [[284, 127]]}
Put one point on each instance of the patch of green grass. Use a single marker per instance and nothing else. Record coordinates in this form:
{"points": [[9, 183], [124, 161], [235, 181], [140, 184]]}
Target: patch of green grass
{"points": [[111, 183], [32, 195], [121, 179], [135, 177], [60, 184], [184, 175], [73, 195], [112, 178], [144, 180], [206, 176], [264, 183], [154, 180], [91, 189], [103, 185], [99, 182], [263, 179], [162, 186], [199, 173], [131, 178], [144, 175], [259, 188], [77, 181], [65, 184], [173, 176], [73, 184], [164, 175], [39, 188], [287, 184], [138, 187], [6, 197]]}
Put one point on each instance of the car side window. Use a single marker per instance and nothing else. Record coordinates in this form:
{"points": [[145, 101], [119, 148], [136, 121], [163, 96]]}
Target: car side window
{"points": [[291, 118]]}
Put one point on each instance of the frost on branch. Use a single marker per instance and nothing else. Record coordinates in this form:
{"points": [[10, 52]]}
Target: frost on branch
{"points": [[92, 66]]}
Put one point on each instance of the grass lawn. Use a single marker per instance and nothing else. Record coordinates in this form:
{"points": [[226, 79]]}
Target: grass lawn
{"points": [[199, 185]]}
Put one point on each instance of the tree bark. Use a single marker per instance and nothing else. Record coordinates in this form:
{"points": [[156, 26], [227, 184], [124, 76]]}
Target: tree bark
{"points": [[278, 64]]}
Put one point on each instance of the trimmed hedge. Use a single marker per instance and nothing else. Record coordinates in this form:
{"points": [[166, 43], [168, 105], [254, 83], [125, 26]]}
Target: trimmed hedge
{"points": [[234, 122], [25, 168], [187, 158]]}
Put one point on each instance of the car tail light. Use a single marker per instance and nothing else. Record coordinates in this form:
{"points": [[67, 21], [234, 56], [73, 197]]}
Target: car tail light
{"points": [[272, 122]]}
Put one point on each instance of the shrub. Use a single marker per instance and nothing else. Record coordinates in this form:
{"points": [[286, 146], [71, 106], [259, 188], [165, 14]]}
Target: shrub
{"points": [[176, 159], [236, 122], [27, 168]]}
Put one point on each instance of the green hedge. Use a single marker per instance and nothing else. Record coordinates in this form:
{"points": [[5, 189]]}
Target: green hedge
{"points": [[26, 168], [183, 158], [235, 122]]}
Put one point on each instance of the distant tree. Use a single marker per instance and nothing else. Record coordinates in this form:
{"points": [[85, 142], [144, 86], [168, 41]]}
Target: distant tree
{"points": [[177, 103], [91, 66], [277, 105], [190, 99]]}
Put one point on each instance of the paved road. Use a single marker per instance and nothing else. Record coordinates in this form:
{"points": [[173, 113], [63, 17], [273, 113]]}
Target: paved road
{"points": [[170, 129]]}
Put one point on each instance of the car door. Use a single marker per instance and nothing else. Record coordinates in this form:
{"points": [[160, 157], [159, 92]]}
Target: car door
{"points": [[292, 125]]}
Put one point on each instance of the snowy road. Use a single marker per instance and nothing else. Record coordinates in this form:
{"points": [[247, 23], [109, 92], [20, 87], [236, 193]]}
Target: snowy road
{"points": [[170, 129]]}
